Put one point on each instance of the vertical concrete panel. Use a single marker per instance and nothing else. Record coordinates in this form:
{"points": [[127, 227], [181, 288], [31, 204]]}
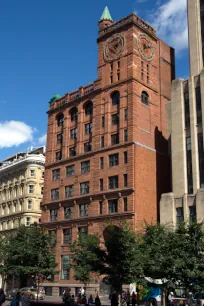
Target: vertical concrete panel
{"points": [[178, 142]]}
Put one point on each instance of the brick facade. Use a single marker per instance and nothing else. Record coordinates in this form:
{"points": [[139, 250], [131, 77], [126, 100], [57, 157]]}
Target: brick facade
{"points": [[142, 172]]}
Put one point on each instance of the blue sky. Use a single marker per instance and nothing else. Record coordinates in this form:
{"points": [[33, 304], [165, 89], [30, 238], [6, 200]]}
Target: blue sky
{"points": [[49, 46]]}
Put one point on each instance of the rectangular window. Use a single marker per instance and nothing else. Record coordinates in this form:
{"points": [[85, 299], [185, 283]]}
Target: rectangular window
{"points": [[88, 128], [189, 165], [84, 188], [125, 157], [42, 188], [118, 63], [113, 160], [72, 151], [111, 66], [59, 138], [142, 76], [113, 182], [198, 105], [69, 191], [70, 171], [147, 79], [30, 188], [43, 174], [55, 174], [118, 76], [201, 159], [125, 204], [65, 267], [179, 215], [126, 114], [187, 109], [101, 184], [192, 214], [32, 172], [83, 230], [83, 210], [112, 206], [103, 122], [53, 236], [55, 194], [111, 79], [67, 213], [73, 133], [100, 207], [88, 147], [28, 221], [114, 139], [59, 155], [101, 162], [67, 233], [115, 119], [125, 177], [102, 141], [125, 135], [53, 215], [85, 166]]}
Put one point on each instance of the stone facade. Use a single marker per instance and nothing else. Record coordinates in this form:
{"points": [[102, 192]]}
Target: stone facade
{"points": [[185, 115], [113, 167], [21, 189]]}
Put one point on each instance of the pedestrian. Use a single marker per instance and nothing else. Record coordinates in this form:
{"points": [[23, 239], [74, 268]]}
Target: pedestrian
{"points": [[170, 299], [67, 298], [72, 300], [18, 297], [24, 300], [90, 300], [128, 298], [134, 301], [114, 299], [97, 301], [2, 297]]}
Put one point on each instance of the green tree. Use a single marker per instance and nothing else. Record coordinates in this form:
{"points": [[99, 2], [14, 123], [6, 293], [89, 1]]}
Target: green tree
{"points": [[117, 260], [29, 251]]}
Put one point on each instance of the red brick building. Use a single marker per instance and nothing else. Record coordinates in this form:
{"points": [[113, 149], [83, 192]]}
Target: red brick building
{"points": [[106, 142]]}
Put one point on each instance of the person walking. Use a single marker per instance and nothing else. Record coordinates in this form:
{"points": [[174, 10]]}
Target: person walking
{"points": [[24, 300], [67, 298], [97, 301], [134, 299], [128, 298], [90, 300], [114, 299], [2, 297]]}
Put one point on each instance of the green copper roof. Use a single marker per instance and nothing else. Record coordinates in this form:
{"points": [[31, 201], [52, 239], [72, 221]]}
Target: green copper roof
{"points": [[106, 15], [54, 98]]}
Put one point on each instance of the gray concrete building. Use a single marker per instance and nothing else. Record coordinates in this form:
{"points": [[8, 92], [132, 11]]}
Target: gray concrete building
{"points": [[185, 114]]}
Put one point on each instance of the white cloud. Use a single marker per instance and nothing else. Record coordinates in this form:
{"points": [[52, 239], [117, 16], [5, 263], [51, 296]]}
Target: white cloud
{"points": [[42, 139], [14, 133], [170, 21]]}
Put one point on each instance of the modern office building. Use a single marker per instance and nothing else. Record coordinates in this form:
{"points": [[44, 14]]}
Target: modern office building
{"points": [[185, 115], [21, 189], [107, 154]]}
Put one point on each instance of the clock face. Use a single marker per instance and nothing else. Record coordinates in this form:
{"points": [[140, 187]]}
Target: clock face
{"points": [[114, 47], [145, 47]]}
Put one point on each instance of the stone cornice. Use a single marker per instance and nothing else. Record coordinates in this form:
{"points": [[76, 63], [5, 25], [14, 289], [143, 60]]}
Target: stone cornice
{"points": [[89, 218], [25, 160]]}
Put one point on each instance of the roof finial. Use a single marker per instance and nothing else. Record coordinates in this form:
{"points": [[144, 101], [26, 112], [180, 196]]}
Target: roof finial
{"points": [[106, 15]]}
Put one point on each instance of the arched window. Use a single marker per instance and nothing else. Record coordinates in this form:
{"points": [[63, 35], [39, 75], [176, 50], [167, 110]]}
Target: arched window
{"points": [[115, 96], [145, 97], [60, 120], [88, 108], [74, 114]]}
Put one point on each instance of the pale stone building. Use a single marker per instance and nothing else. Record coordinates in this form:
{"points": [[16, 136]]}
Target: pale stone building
{"points": [[21, 189], [185, 115]]}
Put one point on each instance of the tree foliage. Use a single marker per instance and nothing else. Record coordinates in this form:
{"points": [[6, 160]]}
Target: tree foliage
{"points": [[115, 259], [174, 256], [28, 251]]}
